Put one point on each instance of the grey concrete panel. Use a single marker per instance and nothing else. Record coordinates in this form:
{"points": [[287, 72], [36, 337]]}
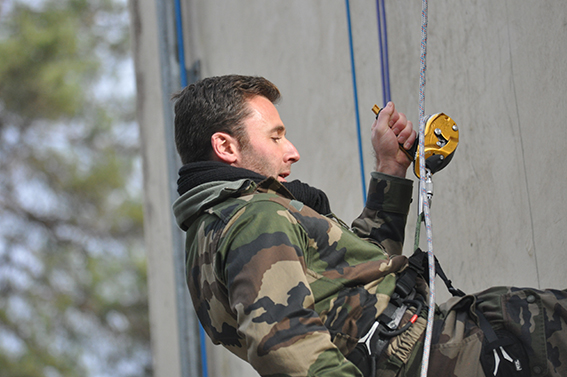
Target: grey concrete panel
{"points": [[497, 68], [173, 323], [158, 222]]}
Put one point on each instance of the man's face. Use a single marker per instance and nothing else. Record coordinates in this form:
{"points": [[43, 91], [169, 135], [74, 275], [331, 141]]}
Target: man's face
{"points": [[267, 150]]}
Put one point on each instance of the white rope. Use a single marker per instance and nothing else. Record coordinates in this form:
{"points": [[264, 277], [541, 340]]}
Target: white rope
{"points": [[423, 192]]}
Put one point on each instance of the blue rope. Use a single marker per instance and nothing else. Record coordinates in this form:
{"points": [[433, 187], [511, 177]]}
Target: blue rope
{"points": [[184, 82], [180, 44], [383, 41], [355, 92], [204, 363]]}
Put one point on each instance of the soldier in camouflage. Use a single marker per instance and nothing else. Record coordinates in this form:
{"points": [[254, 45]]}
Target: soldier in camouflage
{"points": [[282, 283]]}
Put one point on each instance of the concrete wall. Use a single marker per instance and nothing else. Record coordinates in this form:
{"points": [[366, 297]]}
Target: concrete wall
{"points": [[497, 68]]}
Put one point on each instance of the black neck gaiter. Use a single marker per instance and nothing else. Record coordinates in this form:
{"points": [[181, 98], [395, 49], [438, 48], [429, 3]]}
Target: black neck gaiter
{"points": [[197, 173]]}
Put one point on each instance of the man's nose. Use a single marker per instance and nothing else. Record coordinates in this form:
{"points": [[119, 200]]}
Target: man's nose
{"points": [[291, 153]]}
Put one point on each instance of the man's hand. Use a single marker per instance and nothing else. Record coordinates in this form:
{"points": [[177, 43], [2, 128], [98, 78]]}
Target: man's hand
{"points": [[388, 131]]}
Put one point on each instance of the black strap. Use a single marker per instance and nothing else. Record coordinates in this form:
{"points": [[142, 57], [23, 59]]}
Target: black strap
{"points": [[418, 265], [448, 283], [486, 327], [406, 281]]}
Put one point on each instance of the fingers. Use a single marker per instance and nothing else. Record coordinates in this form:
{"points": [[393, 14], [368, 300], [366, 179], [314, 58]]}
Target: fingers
{"points": [[400, 125], [407, 135], [387, 117], [389, 114], [410, 141]]}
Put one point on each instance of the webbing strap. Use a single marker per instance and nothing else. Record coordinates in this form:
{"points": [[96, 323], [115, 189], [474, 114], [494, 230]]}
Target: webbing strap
{"points": [[486, 327], [406, 281], [417, 265]]}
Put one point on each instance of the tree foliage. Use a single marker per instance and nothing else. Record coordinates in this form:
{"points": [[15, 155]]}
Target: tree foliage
{"points": [[72, 267]]}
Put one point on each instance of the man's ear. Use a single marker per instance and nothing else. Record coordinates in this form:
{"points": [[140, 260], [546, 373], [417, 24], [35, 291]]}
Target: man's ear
{"points": [[225, 148]]}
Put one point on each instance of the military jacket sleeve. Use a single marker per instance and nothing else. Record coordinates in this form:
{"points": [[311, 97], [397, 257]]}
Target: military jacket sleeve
{"points": [[384, 216]]}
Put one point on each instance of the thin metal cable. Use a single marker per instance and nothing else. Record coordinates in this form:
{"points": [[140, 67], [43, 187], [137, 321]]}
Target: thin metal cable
{"points": [[423, 192], [523, 150]]}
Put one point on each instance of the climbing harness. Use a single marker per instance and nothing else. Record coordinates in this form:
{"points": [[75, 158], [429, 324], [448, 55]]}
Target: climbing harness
{"points": [[386, 326]]}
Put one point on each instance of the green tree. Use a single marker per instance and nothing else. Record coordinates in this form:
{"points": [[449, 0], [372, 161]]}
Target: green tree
{"points": [[72, 265]]}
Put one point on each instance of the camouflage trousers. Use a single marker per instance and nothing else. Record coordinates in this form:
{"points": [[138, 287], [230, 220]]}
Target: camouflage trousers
{"points": [[538, 319]]}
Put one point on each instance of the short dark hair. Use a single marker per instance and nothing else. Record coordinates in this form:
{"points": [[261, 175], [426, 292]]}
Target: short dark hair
{"points": [[215, 104]]}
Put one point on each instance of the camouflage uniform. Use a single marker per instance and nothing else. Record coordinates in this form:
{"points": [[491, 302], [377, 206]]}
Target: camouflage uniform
{"points": [[291, 291], [283, 287]]}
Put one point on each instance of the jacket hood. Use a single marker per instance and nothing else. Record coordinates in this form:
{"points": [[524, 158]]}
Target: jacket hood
{"points": [[189, 205]]}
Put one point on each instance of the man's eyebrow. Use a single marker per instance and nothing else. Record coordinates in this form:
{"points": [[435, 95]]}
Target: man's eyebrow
{"points": [[278, 129]]}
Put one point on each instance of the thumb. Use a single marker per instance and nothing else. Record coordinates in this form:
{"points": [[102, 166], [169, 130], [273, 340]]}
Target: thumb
{"points": [[387, 117], [390, 114]]}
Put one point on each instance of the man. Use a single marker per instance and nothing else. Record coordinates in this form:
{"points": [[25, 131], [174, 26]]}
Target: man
{"points": [[280, 282]]}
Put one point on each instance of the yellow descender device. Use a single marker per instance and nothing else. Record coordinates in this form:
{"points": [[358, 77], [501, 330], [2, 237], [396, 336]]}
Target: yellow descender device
{"points": [[440, 143]]}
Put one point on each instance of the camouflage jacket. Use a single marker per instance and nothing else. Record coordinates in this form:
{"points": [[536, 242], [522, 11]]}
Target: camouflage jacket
{"points": [[283, 287]]}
